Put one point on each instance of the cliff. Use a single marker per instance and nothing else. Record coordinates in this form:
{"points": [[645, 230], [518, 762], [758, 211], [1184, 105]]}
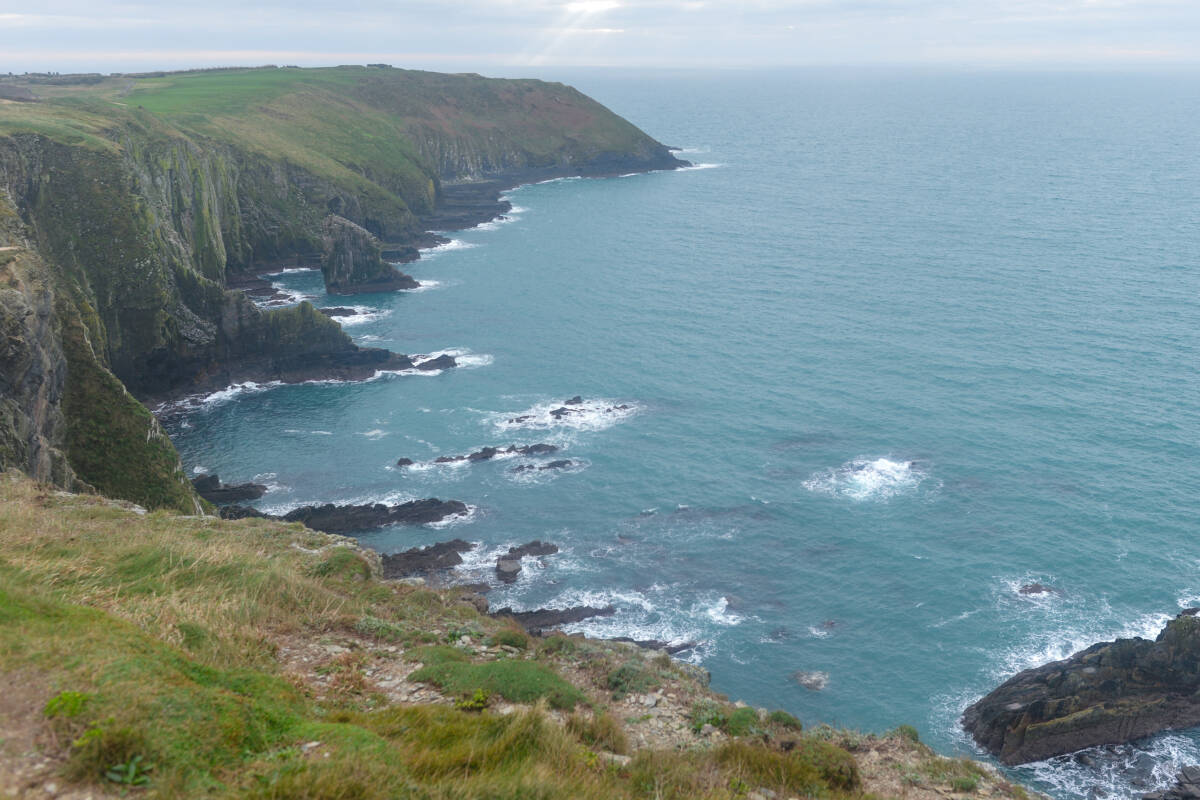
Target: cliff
{"points": [[128, 202]]}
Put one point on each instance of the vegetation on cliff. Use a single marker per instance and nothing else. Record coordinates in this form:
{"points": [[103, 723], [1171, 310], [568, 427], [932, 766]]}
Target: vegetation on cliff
{"points": [[190, 656], [127, 201]]}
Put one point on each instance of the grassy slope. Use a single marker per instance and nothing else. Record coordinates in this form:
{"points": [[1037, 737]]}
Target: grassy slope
{"points": [[161, 638]]}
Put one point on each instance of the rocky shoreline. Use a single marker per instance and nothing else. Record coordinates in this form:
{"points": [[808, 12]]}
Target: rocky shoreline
{"points": [[1110, 693]]}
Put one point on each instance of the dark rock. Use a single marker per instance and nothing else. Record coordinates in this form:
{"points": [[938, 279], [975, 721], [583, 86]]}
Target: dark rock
{"points": [[535, 449], [507, 569], [523, 468], [405, 462], [535, 548], [1037, 589], [338, 311], [449, 459], [657, 644], [243, 512], [1110, 693], [211, 489], [484, 454], [441, 362], [422, 560], [1186, 786], [560, 464], [332, 518], [574, 401], [561, 412], [518, 420], [546, 618], [353, 262]]}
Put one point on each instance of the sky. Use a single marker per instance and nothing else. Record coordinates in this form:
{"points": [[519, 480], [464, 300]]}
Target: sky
{"points": [[516, 36]]}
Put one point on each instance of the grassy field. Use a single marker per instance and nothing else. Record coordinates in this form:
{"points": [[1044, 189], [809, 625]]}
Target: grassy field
{"points": [[192, 657]]}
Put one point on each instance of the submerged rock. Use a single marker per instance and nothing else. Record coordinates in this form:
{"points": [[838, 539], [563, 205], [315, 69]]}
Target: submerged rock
{"points": [[1186, 787], [1037, 589], [1110, 693], [211, 489], [813, 681], [535, 548]]}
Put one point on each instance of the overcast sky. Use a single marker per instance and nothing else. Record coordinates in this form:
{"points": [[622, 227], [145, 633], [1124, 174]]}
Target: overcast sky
{"points": [[495, 36]]}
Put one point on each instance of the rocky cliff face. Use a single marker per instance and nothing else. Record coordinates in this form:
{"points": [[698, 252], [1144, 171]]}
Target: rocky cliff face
{"points": [[1110, 693], [353, 260], [130, 219]]}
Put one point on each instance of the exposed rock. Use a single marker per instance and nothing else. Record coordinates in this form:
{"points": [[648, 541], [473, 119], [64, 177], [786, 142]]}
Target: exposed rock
{"points": [[338, 311], [535, 548], [211, 489], [507, 569], [1110, 693], [814, 681], [332, 518], [405, 462], [353, 262], [560, 464], [543, 619], [422, 560], [657, 644], [1186, 787], [1037, 589], [443, 361], [574, 401], [487, 453]]}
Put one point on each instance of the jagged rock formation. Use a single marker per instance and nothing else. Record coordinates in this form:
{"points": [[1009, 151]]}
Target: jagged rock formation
{"points": [[1110, 693], [121, 224], [332, 518], [353, 260]]}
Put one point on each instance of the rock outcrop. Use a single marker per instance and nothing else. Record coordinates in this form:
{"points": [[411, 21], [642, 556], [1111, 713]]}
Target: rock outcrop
{"points": [[332, 518], [1110, 693], [424, 560], [543, 619], [211, 489], [352, 262]]}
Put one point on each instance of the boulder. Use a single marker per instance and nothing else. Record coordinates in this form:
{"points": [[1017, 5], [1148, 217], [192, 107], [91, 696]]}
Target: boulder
{"points": [[574, 401], [543, 619], [423, 560], [507, 569], [211, 489], [1110, 693], [441, 362], [405, 462]]}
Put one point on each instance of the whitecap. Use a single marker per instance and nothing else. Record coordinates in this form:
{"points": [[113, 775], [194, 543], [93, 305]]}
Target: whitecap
{"points": [[694, 167], [290, 271], [426, 285], [199, 470], [591, 415], [363, 315], [446, 247], [374, 434], [868, 479], [213, 399], [463, 358]]}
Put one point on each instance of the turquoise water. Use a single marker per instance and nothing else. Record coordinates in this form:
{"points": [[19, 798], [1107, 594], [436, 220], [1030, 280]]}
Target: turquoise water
{"points": [[903, 344]]}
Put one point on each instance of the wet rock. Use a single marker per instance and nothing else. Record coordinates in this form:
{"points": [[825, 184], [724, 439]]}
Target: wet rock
{"points": [[423, 560], [338, 311], [574, 401], [543, 619], [1110, 693], [560, 464], [535, 548], [441, 362], [1186, 786], [535, 449], [657, 644], [332, 518], [1037, 589], [405, 462], [813, 681], [211, 489], [242, 512], [507, 569]]}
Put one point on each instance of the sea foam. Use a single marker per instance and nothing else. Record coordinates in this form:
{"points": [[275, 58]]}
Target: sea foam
{"points": [[868, 479]]}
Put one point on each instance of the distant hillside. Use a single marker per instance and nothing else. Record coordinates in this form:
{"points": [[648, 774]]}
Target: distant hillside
{"points": [[126, 202]]}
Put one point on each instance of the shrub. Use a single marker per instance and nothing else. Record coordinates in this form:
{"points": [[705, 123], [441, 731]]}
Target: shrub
{"points": [[812, 767], [558, 644], [510, 637], [630, 678], [783, 719], [66, 704], [706, 712], [742, 722], [476, 702], [965, 784], [907, 732]]}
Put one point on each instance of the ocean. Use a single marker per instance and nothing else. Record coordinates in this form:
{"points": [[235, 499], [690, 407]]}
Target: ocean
{"points": [[900, 343]]}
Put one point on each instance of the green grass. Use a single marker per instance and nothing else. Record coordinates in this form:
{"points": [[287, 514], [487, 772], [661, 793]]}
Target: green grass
{"points": [[518, 681]]}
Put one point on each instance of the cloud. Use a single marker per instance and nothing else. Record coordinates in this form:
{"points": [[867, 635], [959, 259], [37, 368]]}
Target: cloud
{"points": [[481, 34]]}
